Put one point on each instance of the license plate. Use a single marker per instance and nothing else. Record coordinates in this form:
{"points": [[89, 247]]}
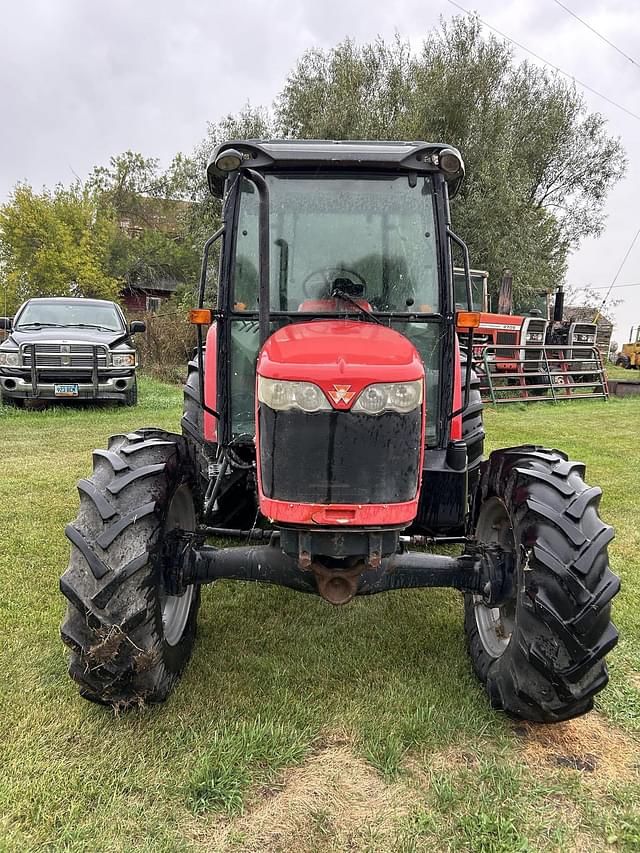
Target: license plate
{"points": [[65, 390]]}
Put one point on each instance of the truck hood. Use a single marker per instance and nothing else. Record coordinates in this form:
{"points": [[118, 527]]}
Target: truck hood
{"points": [[66, 335]]}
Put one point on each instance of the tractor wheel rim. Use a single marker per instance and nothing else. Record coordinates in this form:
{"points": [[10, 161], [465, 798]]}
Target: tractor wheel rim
{"points": [[495, 624], [176, 608]]}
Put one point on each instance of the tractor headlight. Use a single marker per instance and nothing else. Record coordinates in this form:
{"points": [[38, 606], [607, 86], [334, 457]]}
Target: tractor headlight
{"points": [[123, 359], [536, 337], [280, 394], [9, 358], [584, 339], [402, 397]]}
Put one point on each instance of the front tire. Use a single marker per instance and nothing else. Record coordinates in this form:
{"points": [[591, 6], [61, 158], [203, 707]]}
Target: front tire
{"points": [[130, 638], [540, 655], [131, 395]]}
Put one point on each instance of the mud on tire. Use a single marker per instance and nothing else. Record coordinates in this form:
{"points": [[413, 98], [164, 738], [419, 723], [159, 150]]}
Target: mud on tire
{"points": [[129, 639], [551, 664]]}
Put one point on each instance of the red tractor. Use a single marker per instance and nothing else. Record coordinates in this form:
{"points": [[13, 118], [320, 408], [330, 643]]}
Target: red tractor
{"points": [[331, 421]]}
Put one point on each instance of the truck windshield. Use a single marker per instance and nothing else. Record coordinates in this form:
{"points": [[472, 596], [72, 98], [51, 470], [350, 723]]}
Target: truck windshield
{"points": [[50, 313], [371, 237]]}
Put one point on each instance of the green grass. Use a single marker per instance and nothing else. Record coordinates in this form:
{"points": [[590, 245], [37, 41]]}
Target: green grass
{"points": [[298, 726], [614, 372]]}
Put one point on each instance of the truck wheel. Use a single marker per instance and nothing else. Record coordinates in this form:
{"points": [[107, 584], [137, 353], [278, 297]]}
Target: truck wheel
{"points": [[540, 654], [131, 396], [130, 638]]}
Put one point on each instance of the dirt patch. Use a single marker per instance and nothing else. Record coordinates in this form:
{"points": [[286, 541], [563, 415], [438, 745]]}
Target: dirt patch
{"points": [[450, 760], [635, 680], [334, 801], [588, 744]]}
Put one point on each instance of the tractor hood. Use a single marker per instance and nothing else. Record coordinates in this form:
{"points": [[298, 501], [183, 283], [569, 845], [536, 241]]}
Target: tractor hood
{"points": [[339, 353]]}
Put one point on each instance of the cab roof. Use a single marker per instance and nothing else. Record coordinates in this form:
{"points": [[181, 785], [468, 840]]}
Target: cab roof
{"points": [[339, 154]]}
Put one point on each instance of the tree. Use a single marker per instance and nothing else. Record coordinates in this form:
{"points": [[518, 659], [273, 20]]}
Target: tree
{"points": [[205, 211], [539, 166], [152, 210], [54, 244]]}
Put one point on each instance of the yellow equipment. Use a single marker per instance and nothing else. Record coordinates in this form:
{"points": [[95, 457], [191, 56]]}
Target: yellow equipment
{"points": [[629, 357]]}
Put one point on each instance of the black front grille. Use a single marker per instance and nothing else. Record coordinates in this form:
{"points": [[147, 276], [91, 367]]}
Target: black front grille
{"points": [[59, 378], [64, 355], [506, 338], [340, 457]]}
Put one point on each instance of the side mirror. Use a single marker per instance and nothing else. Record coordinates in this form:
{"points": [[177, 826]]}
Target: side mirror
{"points": [[6, 323], [137, 326]]}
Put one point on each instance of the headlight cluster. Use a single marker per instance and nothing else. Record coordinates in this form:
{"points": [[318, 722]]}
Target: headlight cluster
{"points": [[584, 339], [281, 395], [9, 358], [402, 397], [123, 359], [536, 337]]}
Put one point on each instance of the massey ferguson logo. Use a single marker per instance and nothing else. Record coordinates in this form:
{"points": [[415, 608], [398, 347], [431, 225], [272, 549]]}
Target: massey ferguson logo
{"points": [[342, 394]]}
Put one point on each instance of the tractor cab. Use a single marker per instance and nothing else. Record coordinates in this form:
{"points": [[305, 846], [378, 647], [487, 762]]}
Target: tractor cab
{"points": [[354, 231]]}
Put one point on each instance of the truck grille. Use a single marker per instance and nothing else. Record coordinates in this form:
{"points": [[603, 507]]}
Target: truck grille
{"points": [[64, 355]]}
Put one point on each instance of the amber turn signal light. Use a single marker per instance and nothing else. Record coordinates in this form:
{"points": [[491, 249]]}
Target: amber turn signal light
{"points": [[467, 319], [200, 316]]}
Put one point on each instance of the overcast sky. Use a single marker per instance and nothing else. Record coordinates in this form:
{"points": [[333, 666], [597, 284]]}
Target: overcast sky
{"points": [[82, 80]]}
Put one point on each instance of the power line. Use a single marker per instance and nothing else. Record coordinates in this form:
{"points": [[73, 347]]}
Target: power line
{"points": [[545, 61], [615, 278], [605, 286], [593, 30]]}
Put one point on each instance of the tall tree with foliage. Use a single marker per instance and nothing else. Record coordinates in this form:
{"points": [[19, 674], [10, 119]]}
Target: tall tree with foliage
{"points": [[152, 209], [54, 244], [539, 166]]}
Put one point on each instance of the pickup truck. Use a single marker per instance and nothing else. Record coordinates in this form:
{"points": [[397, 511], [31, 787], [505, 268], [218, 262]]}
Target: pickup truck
{"points": [[68, 348]]}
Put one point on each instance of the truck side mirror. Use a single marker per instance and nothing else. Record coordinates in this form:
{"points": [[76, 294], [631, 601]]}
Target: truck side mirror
{"points": [[6, 323], [137, 326]]}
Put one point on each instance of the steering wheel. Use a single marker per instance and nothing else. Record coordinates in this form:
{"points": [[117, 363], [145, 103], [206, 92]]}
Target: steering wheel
{"points": [[319, 283]]}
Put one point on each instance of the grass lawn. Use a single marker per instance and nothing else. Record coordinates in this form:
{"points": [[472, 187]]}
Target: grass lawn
{"points": [[298, 726], [614, 372]]}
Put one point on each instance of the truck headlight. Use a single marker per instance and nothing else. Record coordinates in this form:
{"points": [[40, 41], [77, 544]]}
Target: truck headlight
{"points": [[123, 359], [9, 359], [280, 394], [402, 397]]}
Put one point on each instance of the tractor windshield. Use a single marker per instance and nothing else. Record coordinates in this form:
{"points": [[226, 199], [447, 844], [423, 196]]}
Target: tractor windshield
{"points": [[372, 237]]}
